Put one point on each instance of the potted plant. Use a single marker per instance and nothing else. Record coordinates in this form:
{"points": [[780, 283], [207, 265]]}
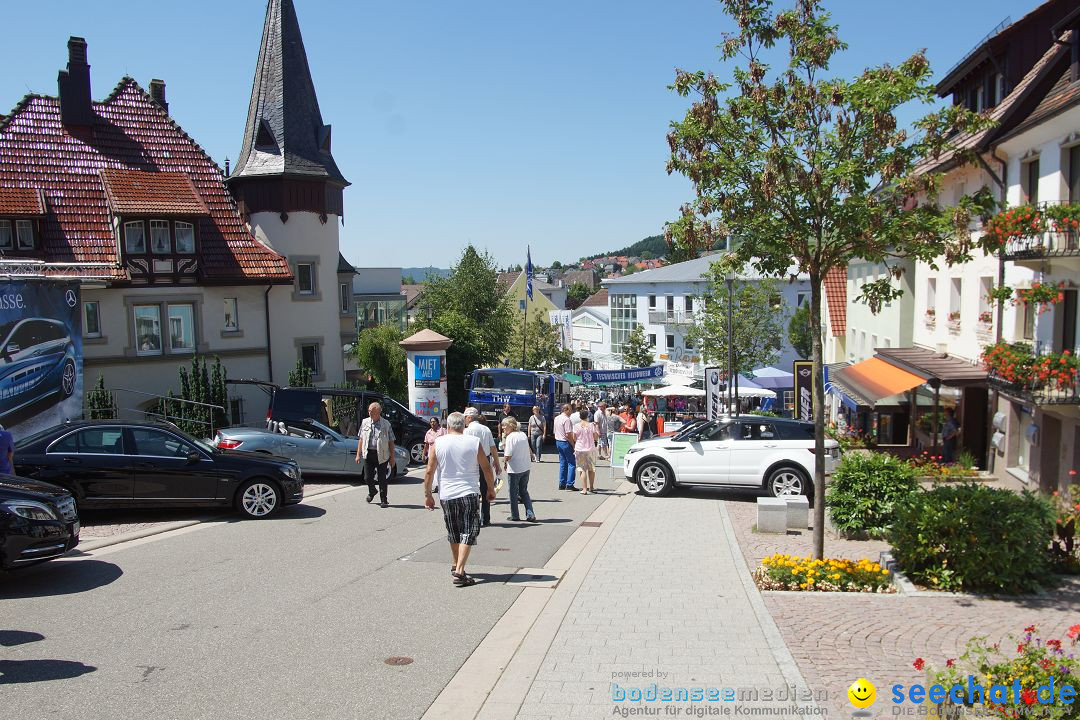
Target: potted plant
{"points": [[1013, 224], [954, 316], [986, 317], [1065, 220], [1000, 294], [1042, 295], [930, 316]]}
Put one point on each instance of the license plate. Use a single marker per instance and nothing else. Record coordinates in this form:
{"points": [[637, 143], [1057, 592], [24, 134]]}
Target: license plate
{"points": [[75, 527]]}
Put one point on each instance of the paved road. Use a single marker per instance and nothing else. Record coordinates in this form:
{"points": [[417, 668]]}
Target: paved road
{"points": [[288, 617]]}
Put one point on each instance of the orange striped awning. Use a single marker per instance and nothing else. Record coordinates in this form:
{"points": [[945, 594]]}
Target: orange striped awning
{"points": [[875, 379]]}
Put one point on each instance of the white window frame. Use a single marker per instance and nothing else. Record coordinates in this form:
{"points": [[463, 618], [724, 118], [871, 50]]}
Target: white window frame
{"points": [[235, 325], [311, 279], [156, 229], [86, 319], [194, 337], [344, 297], [6, 230], [160, 350], [190, 227], [128, 226]]}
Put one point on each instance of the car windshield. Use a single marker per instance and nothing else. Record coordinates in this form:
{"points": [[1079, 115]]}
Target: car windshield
{"points": [[505, 381]]}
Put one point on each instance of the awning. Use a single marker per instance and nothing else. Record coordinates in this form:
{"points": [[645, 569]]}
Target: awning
{"points": [[875, 379], [948, 369]]}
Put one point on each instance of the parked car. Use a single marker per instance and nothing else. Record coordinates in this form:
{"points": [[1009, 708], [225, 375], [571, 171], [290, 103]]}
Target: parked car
{"points": [[116, 464], [38, 522], [37, 360], [775, 454], [342, 410], [316, 448]]}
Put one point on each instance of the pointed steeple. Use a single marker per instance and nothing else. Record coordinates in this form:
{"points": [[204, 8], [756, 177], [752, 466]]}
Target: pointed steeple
{"points": [[285, 136]]}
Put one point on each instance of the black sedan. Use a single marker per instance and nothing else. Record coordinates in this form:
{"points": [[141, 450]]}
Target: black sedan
{"points": [[38, 522], [116, 464]]}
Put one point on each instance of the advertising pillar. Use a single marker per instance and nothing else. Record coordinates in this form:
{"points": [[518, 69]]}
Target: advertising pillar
{"points": [[425, 354]]}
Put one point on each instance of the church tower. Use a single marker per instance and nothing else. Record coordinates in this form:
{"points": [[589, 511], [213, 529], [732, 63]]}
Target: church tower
{"points": [[289, 188]]}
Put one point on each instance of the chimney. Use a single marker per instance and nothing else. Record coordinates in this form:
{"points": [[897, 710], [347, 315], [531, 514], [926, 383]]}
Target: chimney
{"points": [[157, 91], [74, 86]]}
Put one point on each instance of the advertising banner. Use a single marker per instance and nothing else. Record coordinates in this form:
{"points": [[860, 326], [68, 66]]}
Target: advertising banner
{"points": [[427, 382], [804, 390], [430, 371], [564, 319], [714, 392], [620, 443], [41, 363], [628, 375]]}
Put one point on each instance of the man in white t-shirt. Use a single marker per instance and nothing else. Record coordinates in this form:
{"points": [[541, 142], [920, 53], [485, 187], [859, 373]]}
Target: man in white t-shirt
{"points": [[475, 427], [517, 454], [459, 462]]}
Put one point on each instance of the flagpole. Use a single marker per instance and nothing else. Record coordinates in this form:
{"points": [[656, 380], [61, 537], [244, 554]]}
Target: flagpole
{"points": [[525, 319]]}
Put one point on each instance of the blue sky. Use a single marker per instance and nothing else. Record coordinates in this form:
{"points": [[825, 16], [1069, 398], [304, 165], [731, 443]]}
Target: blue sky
{"points": [[497, 122]]}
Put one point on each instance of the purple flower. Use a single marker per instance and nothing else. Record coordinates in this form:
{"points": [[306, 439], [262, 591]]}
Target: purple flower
{"points": [[1065, 670]]}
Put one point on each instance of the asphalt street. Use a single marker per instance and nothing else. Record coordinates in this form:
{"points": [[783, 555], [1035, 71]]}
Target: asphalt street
{"points": [[294, 616]]}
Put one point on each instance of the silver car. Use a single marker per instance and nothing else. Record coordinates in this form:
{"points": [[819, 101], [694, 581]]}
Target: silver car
{"points": [[315, 447]]}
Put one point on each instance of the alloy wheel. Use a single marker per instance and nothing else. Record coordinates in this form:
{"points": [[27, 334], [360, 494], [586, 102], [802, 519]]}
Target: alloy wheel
{"points": [[653, 479], [67, 379], [259, 500], [786, 483], [416, 453]]}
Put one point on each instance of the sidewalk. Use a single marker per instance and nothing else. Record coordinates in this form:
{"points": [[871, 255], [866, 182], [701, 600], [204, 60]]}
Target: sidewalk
{"points": [[658, 594]]}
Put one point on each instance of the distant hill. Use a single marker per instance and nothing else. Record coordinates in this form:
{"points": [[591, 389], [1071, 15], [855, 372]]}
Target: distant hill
{"points": [[654, 244], [420, 274]]}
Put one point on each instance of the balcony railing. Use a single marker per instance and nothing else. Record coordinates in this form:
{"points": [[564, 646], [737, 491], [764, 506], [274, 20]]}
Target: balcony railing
{"points": [[1057, 239], [1051, 389], [671, 317]]}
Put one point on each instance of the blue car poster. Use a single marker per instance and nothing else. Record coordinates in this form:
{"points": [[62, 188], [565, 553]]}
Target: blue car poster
{"points": [[41, 363]]}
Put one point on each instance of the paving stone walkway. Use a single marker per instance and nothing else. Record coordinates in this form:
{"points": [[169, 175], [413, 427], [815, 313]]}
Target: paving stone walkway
{"points": [[666, 601]]}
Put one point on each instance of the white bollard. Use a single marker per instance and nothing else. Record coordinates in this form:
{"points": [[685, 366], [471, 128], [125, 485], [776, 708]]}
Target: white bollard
{"points": [[771, 515]]}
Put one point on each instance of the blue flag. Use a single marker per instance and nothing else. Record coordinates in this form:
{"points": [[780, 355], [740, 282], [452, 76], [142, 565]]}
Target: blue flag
{"points": [[528, 273]]}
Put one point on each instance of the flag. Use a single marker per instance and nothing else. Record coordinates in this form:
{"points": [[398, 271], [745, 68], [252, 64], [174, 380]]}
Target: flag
{"points": [[528, 273]]}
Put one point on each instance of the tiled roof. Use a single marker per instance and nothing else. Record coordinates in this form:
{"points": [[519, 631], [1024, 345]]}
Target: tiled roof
{"points": [[836, 295], [136, 192], [133, 133], [21, 201], [1064, 94], [597, 299], [411, 293]]}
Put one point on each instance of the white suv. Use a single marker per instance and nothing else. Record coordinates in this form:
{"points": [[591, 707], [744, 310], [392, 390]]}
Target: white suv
{"points": [[775, 454]]}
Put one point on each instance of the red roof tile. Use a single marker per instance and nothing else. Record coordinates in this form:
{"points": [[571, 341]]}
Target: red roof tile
{"points": [[597, 299], [21, 201], [135, 192], [133, 133], [836, 296]]}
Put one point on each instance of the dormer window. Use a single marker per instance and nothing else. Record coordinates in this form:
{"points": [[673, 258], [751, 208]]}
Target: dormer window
{"points": [[135, 238], [166, 237], [185, 237], [21, 211], [5, 235], [159, 237]]}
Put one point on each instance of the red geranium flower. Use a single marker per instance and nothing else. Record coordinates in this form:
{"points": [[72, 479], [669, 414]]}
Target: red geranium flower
{"points": [[919, 663], [1074, 632], [950, 662], [1028, 697]]}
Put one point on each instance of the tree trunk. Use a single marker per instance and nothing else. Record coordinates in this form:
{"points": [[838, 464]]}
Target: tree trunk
{"points": [[818, 386]]}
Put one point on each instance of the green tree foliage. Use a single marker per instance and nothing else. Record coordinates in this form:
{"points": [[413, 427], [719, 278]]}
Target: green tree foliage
{"points": [[646, 255], [576, 294], [408, 280], [378, 353], [863, 493], [798, 332], [200, 406], [654, 244], [300, 376], [543, 348], [637, 352], [100, 403], [469, 308], [812, 171], [556, 265], [758, 326]]}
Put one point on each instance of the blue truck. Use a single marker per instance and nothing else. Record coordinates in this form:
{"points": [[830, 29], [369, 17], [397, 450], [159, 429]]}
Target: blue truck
{"points": [[491, 388]]}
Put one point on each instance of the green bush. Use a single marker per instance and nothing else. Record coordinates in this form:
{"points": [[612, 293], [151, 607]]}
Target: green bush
{"points": [[974, 538], [863, 492]]}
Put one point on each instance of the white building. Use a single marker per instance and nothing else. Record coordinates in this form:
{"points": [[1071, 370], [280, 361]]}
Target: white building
{"points": [[591, 329]]}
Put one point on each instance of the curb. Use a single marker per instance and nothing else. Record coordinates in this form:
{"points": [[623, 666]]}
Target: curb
{"points": [[99, 543]]}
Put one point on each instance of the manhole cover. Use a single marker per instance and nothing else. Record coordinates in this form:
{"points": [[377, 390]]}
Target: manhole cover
{"points": [[398, 660], [591, 523]]}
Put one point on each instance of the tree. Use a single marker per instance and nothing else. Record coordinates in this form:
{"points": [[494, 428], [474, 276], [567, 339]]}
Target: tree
{"points": [[378, 353], [646, 255], [469, 308], [810, 171], [630, 269], [637, 352], [543, 345], [556, 265], [408, 280], [799, 332], [758, 321], [200, 407], [100, 402], [576, 294], [300, 376]]}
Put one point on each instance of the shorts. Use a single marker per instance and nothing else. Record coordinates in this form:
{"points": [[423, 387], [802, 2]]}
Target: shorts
{"points": [[462, 518], [585, 460]]}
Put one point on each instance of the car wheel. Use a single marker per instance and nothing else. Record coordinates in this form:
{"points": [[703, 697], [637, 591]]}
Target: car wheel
{"points": [[67, 378], [786, 482], [258, 499], [416, 452], [655, 479]]}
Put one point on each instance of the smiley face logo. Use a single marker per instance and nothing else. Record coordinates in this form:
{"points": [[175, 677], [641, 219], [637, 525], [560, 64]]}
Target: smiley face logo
{"points": [[862, 693]]}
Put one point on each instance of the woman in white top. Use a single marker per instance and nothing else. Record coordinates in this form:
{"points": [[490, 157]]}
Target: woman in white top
{"points": [[516, 453]]}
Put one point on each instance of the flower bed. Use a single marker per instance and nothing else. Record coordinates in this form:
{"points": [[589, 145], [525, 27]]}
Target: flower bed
{"points": [[1037, 662], [789, 572]]}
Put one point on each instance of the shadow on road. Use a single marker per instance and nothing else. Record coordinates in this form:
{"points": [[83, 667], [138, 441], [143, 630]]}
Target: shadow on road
{"points": [[11, 638], [292, 512], [27, 671], [58, 578]]}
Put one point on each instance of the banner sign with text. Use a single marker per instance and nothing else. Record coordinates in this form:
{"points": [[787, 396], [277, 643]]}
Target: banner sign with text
{"points": [[714, 392], [804, 390], [429, 371], [620, 443], [628, 375]]}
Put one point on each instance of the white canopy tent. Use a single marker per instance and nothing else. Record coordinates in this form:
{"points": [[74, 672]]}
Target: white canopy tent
{"points": [[745, 392], [674, 391]]}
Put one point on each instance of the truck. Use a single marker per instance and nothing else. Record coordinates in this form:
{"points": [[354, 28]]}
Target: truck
{"points": [[491, 388]]}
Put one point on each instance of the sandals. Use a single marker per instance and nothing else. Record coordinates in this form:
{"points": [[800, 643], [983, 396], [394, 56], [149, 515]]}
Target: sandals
{"points": [[464, 580]]}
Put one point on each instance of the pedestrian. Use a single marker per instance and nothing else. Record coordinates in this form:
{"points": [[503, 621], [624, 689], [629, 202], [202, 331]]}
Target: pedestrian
{"points": [[515, 451], [435, 431], [950, 433], [375, 451], [506, 412], [600, 419], [615, 421], [7, 452], [629, 421], [474, 426], [459, 463], [584, 449], [564, 442], [537, 432], [644, 432]]}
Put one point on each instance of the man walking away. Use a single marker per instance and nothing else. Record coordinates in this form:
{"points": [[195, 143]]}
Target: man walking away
{"points": [[376, 451], [459, 463], [602, 429], [950, 433], [564, 442], [475, 427], [537, 432]]}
